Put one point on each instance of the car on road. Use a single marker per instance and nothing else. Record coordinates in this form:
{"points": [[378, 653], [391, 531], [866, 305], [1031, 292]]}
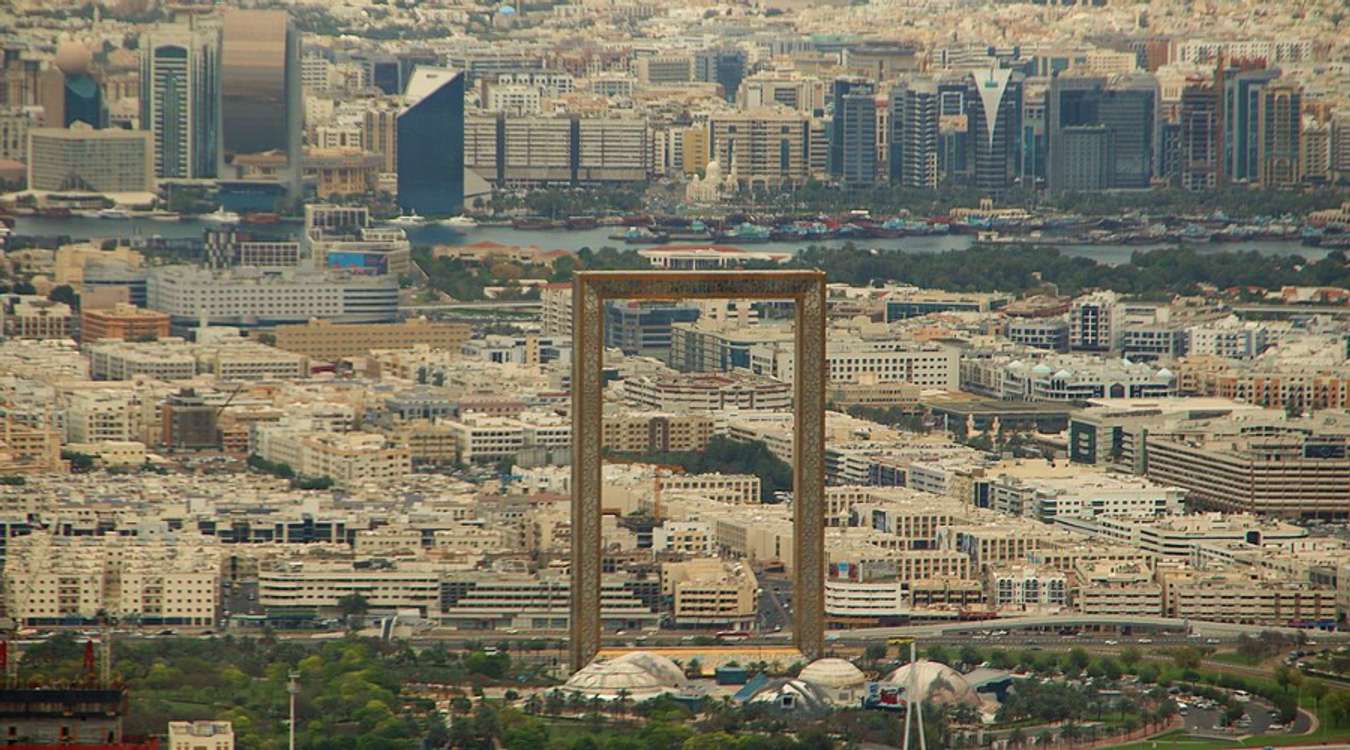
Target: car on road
{"points": [[1111, 642]]}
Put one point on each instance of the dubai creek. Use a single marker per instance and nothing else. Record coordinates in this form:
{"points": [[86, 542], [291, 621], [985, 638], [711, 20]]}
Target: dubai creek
{"points": [[78, 228]]}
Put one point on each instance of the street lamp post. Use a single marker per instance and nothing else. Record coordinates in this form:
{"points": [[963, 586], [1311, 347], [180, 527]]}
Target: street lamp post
{"points": [[293, 687]]}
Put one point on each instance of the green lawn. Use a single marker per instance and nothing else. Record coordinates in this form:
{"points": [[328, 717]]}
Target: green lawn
{"points": [[1177, 740], [1233, 657]]}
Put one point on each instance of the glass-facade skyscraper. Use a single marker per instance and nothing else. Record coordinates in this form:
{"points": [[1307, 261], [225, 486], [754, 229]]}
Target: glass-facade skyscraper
{"points": [[180, 98], [431, 143], [261, 105]]}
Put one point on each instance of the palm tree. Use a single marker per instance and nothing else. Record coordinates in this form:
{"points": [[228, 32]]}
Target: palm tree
{"points": [[1017, 737], [1045, 738], [1071, 732], [622, 700]]}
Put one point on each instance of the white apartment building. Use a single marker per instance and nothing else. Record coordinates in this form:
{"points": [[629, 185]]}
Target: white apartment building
{"points": [[514, 99], [1081, 493], [176, 359], [1078, 378], [1026, 585], [1179, 536], [1096, 322], [163, 580], [688, 537], [928, 365], [481, 438], [1230, 338], [348, 458], [852, 601], [314, 585], [101, 417], [706, 392], [248, 296], [487, 601], [557, 308], [113, 359]]}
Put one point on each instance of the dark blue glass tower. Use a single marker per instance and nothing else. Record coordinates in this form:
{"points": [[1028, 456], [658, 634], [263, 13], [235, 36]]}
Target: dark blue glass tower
{"points": [[431, 143]]}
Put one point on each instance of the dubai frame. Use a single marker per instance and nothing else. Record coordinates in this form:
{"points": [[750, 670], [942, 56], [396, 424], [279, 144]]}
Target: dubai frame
{"points": [[590, 289]]}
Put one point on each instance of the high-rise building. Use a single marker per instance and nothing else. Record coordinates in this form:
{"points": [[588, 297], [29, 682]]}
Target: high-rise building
{"points": [[431, 142], [1280, 120], [1241, 84], [69, 92], [1198, 153], [379, 133], [914, 134], [83, 159], [840, 88], [721, 65], [1340, 146], [993, 119], [180, 98], [261, 105], [1102, 134], [763, 148], [1035, 142], [855, 121]]}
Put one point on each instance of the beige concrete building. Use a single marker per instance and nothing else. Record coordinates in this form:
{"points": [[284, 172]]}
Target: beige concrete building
{"points": [[52, 579], [765, 148], [25, 449], [428, 442], [80, 158], [321, 339], [1238, 596], [556, 300], [32, 317], [319, 585], [646, 432], [200, 735], [348, 458], [708, 592], [707, 392], [1116, 588]]}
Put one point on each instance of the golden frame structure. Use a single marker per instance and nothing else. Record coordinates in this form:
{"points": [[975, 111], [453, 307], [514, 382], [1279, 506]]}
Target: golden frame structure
{"points": [[590, 289]]}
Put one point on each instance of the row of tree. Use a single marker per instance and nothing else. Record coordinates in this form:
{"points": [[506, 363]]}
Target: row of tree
{"points": [[727, 456]]}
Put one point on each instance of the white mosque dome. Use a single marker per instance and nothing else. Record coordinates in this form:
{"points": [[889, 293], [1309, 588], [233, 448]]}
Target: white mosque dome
{"points": [[833, 673], [639, 674], [936, 682], [1041, 369], [1165, 373]]}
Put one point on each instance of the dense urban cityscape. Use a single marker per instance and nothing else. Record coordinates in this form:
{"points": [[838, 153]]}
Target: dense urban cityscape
{"points": [[684, 375]]}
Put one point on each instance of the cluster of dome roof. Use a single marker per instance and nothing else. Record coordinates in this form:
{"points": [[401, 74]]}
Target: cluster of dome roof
{"points": [[638, 675], [642, 674], [935, 682]]}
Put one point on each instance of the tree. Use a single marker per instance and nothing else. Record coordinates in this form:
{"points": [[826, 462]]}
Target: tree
{"points": [[79, 462], [65, 293], [1017, 737], [1186, 657], [875, 652], [1317, 690], [970, 655], [353, 606], [1078, 659], [1130, 657]]}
